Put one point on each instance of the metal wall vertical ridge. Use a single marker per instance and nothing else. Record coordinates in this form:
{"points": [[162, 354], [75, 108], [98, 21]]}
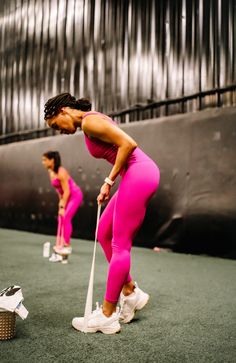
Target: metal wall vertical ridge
{"points": [[118, 53]]}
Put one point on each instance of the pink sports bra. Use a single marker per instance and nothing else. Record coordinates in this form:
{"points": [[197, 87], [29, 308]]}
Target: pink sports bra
{"points": [[103, 150]]}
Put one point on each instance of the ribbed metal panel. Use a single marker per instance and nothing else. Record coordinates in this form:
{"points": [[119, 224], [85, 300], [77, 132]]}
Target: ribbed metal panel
{"points": [[118, 53]]}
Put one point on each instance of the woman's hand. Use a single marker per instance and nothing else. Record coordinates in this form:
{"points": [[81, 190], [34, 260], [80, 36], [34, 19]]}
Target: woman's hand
{"points": [[104, 193]]}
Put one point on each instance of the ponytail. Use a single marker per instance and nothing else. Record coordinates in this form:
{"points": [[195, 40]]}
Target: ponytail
{"points": [[53, 105], [84, 104]]}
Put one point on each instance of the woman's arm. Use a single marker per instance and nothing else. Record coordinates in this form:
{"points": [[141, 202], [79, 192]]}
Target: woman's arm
{"points": [[51, 176], [97, 127], [64, 179], [59, 195]]}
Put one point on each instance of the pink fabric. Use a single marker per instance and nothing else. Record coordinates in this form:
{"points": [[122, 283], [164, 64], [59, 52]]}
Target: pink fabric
{"points": [[122, 219], [125, 211], [60, 241], [74, 189], [70, 210], [64, 227], [102, 150]]}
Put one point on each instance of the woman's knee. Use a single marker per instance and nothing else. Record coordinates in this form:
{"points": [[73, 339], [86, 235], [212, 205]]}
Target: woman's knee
{"points": [[67, 218], [121, 251]]}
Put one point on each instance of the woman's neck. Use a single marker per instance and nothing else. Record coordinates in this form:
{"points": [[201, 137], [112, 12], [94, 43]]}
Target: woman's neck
{"points": [[78, 117]]}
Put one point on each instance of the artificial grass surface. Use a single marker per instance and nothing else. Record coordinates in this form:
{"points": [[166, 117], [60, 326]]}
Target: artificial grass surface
{"points": [[190, 316]]}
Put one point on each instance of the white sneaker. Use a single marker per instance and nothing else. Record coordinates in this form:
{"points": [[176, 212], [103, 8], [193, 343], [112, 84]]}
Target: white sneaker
{"points": [[131, 303], [64, 259], [63, 250], [55, 258], [66, 250], [99, 322]]}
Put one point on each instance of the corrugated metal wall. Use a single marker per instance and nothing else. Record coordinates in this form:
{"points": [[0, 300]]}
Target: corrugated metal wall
{"points": [[118, 53]]}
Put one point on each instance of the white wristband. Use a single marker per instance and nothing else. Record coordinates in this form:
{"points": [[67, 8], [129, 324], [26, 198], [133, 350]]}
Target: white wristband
{"points": [[109, 181]]}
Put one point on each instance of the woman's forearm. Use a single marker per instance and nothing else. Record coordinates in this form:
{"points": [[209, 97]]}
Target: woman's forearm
{"points": [[64, 179], [123, 153], [64, 198], [66, 194]]}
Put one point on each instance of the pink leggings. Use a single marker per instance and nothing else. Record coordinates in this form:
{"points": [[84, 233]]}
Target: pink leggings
{"points": [[121, 220], [64, 227]]}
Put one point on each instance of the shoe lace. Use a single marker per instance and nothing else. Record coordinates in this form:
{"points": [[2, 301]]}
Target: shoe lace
{"points": [[124, 306], [98, 308], [122, 302]]}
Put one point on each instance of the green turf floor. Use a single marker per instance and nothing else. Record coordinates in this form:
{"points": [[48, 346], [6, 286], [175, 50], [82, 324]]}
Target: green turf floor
{"points": [[190, 318]]}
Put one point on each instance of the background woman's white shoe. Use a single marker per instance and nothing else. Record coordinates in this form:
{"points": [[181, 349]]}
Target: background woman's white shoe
{"points": [[55, 258], [131, 303], [99, 322], [66, 250]]}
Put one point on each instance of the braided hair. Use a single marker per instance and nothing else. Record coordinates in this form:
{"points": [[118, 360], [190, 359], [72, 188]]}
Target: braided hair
{"points": [[56, 157], [53, 105]]}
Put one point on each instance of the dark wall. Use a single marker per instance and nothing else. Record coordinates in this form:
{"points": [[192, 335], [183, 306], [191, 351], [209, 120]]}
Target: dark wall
{"points": [[194, 209]]}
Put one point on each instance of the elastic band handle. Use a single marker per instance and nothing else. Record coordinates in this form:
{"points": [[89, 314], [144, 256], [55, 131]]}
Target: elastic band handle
{"points": [[89, 299]]}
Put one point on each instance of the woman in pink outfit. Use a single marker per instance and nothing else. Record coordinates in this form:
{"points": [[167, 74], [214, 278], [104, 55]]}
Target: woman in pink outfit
{"points": [[125, 211], [70, 198]]}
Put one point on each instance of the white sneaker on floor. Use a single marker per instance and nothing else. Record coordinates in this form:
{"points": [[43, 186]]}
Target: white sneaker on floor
{"points": [[99, 322], [131, 303], [67, 250], [64, 259], [55, 258]]}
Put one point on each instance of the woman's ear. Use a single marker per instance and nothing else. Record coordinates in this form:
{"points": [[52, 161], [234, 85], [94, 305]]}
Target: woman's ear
{"points": [[63, 110]]}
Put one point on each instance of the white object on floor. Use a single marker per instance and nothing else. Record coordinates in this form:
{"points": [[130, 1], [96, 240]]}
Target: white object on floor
{"points": [[64, 260], [46, 249], [131, 303], [55, 258], [11, 300], [66, 250], [89, 299], [97, 321]]}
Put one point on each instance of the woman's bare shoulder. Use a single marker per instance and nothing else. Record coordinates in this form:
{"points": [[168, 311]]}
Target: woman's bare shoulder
{"points": [[62, 173]]}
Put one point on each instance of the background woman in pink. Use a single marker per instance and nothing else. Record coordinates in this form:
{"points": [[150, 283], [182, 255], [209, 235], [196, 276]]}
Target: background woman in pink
{"points": [[70, 198], [124, 213]]}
